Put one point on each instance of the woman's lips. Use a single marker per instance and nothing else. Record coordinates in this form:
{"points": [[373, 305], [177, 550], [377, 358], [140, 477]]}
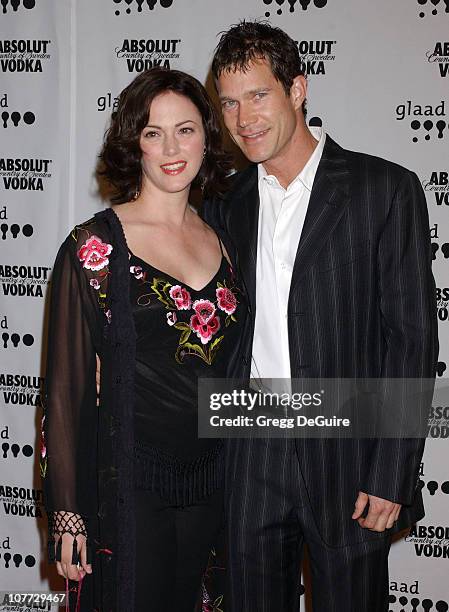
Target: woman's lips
{"points": [[174, 168]]}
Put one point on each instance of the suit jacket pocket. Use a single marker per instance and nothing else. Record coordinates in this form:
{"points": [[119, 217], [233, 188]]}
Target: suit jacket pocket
{"points": [[333, 259]]}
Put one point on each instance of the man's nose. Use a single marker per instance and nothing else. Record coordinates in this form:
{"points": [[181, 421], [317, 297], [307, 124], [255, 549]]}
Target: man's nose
{"points": [[246, 116]]}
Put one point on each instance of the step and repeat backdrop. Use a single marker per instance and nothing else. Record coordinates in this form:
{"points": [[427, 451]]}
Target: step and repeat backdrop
{"points": [[378, 82]]}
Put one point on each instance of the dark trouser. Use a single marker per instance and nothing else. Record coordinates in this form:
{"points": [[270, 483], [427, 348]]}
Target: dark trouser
{"points": [[172, 550], [270, 520]]}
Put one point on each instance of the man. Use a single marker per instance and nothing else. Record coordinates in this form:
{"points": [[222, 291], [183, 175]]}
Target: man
{"points": [[333, 248]]}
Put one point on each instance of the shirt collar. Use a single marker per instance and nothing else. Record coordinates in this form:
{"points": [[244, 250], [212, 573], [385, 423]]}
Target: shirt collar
{"points": [[307, 174]]}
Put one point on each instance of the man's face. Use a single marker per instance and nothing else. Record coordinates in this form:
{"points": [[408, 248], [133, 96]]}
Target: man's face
{"points": [[260, 117]]}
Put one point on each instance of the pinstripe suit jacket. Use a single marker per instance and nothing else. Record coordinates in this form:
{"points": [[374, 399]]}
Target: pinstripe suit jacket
{"points": [[361, 304]]}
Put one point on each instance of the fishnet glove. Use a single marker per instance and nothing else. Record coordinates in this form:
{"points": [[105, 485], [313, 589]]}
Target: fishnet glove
{"points": [[61, 522]]}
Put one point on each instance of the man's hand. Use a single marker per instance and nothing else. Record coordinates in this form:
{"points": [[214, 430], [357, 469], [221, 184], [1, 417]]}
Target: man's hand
{"points": [[382, 514]]}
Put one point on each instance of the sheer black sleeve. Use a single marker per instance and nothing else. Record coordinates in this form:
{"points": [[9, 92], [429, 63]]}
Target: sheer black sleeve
{"points": [[69, 425]]}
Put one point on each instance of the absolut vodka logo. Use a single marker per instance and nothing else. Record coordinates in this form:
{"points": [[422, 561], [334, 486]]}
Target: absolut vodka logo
{"points": [[316, 55], [24, 281], [438, 186], [439, 56], [143, 54], [24, 174], [23, 55]]}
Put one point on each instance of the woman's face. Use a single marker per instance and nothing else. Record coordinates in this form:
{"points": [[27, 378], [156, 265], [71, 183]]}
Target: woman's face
{"points": [[172, 143]]}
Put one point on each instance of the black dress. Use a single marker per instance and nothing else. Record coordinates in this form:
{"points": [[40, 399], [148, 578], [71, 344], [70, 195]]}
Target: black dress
{"points": [[182, 334], [93, 457]]}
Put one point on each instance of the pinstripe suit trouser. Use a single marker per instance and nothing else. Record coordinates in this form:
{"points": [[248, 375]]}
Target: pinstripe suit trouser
{"points": [[270, 520]]}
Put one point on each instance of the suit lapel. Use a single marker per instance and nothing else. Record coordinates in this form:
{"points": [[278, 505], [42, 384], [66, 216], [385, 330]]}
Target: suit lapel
{"points": [[243, 226], [329, 197]]}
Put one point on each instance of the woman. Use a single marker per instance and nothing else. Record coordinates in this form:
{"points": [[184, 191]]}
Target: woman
{"points": [[134, 497]]}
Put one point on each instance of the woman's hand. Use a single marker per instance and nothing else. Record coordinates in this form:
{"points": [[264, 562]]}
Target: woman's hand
{"points": [[65, 567]]}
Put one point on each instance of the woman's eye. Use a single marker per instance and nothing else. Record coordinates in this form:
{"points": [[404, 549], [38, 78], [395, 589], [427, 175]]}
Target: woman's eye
{"points": [[186, 130], [151, 134]]}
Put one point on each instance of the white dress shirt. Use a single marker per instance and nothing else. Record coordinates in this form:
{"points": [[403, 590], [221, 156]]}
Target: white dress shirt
{"points": [[281, 219]]}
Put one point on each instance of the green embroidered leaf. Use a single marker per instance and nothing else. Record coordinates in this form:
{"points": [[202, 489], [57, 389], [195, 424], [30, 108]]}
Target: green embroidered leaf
{"points": [[213, 348], [102, 295], [190, 349], [185, 336], [227, 320], [220, 285], [181, 325], [161, 288], [233, 319]]}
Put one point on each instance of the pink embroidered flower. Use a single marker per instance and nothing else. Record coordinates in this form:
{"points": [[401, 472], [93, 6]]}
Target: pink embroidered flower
{"points": [[94, 283], [43, 447], [108, 315], [171, 318], [226, 300], [137, 271], [181, 297], [204, 323], [94, 253]]}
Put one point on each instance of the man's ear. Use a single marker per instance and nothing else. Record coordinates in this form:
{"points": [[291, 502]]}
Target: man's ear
{"points": [[298, 91]]}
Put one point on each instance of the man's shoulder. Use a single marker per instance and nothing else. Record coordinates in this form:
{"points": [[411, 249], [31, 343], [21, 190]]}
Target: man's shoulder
{"points": [[372, 167]]}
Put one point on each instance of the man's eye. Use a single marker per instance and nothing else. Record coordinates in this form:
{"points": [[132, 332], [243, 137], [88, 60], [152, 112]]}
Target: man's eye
{"points": [[260, 94], [228, 104]]}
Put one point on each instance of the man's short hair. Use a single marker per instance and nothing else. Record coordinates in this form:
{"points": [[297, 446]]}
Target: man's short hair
{"points": [[249, 41]]}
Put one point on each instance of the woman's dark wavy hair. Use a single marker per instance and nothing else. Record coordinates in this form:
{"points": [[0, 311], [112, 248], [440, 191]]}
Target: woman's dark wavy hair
{"points": [[250, 41], [121, 153]]}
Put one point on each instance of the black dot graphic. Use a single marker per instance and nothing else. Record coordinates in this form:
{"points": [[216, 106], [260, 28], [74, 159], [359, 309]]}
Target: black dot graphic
{"points": [[128, 11], [445, 487], [422, 15], [267, 14], [27, 450], [27, 230], [30, 561], [434, 12], [29, 4], [28, 340], [279, 11], [29, 118], [117, 12], [422, 1], [320, 3]]}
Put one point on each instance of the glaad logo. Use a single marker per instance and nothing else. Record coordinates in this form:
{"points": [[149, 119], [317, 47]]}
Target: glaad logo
{"points": [[441, 368], [140, 4], [14, 118], [435, 3], [144, 54], [426, 604], [409, 110], [13, 340], [13, 559], [23, 55], [438, 184], [433, 486], [440, 56], [291, 5], [24, 174], [315, 54], [28, 4], [24, 281]]}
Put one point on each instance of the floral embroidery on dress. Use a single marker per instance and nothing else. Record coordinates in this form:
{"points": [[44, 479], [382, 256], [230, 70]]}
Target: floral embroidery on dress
{"points": [[203, 318], [43, 454], [94, 256], [94, 253]]}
